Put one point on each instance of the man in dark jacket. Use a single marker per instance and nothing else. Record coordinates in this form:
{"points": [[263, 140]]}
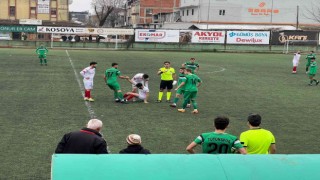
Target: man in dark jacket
{"points": [[86, 141], [134, 146]]}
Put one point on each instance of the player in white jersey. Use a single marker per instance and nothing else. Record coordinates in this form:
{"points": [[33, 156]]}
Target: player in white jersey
{"points": [[295, 62], [140, 78], [88, 75], [143, 92]]}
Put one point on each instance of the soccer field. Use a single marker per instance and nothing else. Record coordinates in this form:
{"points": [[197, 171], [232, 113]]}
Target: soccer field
{"points": [[41, 103]]}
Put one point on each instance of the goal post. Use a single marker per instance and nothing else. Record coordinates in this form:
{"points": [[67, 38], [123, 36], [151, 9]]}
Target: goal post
{"points": [[300, 45]]}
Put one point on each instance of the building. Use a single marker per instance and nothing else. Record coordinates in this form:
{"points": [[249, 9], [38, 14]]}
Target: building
{"points": [[151, 13], [48, 10], [285, 12]]}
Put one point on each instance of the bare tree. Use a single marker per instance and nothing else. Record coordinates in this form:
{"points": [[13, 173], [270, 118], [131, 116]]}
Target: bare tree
{"points": [[313, 12], [103, 9]]}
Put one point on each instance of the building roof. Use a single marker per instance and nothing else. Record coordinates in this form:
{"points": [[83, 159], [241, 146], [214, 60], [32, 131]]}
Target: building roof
{"points": [[183, 25]]}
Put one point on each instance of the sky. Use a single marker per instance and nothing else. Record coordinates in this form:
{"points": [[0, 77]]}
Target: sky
{"points": [[80, 5]]}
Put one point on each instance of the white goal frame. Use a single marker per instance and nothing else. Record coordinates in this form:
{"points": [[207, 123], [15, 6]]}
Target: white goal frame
{"points": [[287, 43]]}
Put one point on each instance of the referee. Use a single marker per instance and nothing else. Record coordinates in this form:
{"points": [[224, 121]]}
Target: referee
{"points": [[168, 80]]}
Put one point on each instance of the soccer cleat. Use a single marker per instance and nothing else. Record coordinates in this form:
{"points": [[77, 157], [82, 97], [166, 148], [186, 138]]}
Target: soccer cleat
{"points": [[182, 110], [117, 100], [158, 101], [195, 111], [173, 105], [124, 101], [91, 100], [85, 98], [307, 72], [294, 72], [317, 83], [188, 105]]}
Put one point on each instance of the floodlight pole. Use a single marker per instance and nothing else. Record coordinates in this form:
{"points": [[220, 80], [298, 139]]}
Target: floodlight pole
{"points": [[208, 15]]}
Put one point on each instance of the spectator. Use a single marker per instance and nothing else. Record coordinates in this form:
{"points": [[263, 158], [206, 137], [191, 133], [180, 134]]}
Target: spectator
{"points": [[70, 38], [90, 38], [64, 38], [86, 141], [257, 140], [134, 146], [217, 142]]}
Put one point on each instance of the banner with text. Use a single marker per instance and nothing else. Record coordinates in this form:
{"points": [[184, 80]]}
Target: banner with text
{"points": [[208, 37], [296, 37], [61, 30], [9, 28], [109, 31], [248, 37], [154, 35], [43, 6]]}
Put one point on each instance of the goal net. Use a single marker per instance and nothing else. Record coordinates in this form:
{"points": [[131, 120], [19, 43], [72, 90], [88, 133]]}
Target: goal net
{"points": [[299, 45]]}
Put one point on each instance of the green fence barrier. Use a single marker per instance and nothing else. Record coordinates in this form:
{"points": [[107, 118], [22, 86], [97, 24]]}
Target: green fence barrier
{"points": [[185, 167]]}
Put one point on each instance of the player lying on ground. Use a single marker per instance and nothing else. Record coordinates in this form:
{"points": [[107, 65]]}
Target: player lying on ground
{"points": [[139, 78], [143, 92]]}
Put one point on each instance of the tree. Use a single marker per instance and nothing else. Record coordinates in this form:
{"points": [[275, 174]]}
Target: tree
{"points": [[104, 8], [313, 13]]}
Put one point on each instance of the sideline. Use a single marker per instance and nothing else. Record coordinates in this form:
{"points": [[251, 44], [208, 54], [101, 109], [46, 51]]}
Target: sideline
{"points": [[76, 74]]}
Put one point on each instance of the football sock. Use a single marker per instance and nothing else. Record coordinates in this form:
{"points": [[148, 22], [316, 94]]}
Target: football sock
{"points": [[314, 80], [307, 68], [194, 104], [160, 96], [311, 81], [185, 102], [175, 100], [294, 68], [115, 94], [120, 95], [168, 96], [40, 61], [125, 95], [130, 97], [45, 61], [89, 94], [86, 94]]}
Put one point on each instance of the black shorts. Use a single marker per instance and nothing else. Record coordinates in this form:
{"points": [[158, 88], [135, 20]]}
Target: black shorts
{"points": [[166, 84]]}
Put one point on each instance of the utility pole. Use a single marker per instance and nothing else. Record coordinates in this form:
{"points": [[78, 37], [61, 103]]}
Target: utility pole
{"points": [[199, 12], [208, 15], [271, 11], [297, 25]]}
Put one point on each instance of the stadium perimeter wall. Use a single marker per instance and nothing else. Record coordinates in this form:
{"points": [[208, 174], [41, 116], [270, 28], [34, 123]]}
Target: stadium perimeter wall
{"points": [[156, 46], [183, 166]]}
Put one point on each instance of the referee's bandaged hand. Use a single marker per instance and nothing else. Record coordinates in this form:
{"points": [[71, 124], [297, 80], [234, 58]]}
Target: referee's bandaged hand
{"points": [[174, 83]]}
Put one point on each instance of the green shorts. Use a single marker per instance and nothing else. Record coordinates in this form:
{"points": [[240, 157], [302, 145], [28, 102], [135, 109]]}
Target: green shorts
{"points": [[180, 91], [114, 86], [190, 95], [43, 56], [312, 75]]}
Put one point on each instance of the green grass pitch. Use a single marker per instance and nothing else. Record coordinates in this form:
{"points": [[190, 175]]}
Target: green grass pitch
{"points": [[41, 103]]}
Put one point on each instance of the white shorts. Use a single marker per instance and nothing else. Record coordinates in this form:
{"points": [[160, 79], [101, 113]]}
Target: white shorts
{"points": [[88, 84], [142, 97], [295, 63]]}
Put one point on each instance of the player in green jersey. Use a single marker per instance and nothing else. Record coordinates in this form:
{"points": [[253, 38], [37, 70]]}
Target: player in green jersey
{"points": [[192, 65], [313, 71], [309, 56], [42, 54], [217, 142], [257, 140], [111, 77], [190, 84], [180, 91]]}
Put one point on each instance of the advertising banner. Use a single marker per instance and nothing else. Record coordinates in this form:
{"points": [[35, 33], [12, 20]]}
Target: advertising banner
{"points": [[61, 30], [154, 35], [185, 36], [30, 21], [9, 28], [248, 37], [43, 6], [109, 31], [297, 37], [208, 37]]}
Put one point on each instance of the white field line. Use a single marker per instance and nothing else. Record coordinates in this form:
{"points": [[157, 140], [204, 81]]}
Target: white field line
{"points": [[76, 74], [221, 69]]}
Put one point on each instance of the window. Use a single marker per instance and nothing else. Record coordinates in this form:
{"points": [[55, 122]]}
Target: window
{"points": [[222, 12], [40, 36], [192, 11], [188, 12], [12, 11], [182, 12], [148, 11], [53, 11]]}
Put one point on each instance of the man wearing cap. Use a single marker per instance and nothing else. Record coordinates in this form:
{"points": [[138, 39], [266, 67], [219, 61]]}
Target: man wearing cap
{"points": [[88, 75], [192, 65], [134, 146], [257, 140], [86, 141]]}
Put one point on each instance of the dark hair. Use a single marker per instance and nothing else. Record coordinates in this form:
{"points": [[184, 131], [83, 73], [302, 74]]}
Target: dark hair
{"points": [[183, 68], [166, 62], [139, 85], [113, 64], [92, 63], [192, 58], [221, 122], [254, 119], [189, 70], [145, 76], [312, 58]]}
